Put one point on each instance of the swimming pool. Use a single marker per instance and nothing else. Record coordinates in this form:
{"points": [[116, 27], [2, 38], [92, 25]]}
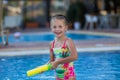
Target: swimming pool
{"points": [[89, 66], [49, 37]]}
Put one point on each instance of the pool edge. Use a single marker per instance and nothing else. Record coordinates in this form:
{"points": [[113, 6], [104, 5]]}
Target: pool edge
{"points": [[38, 52]]}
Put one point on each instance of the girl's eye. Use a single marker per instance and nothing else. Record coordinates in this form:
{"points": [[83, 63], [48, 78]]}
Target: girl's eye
{"points": [[60, 26], [54, 26]]}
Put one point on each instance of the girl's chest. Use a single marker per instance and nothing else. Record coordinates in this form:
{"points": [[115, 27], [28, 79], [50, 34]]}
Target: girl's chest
{"points": [[61, 52]]}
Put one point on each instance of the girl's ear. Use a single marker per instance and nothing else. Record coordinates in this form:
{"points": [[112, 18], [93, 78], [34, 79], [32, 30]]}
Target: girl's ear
{"points": [[66, 27]]}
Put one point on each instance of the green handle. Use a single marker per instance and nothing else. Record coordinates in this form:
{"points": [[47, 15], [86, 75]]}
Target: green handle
{"points": [[49, 66]]}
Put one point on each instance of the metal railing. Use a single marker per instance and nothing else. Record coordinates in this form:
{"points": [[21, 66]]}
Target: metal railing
{"points": [[109, 21], [2, 31]]}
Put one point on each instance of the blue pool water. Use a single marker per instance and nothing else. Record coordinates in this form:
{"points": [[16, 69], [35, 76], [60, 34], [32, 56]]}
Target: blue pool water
{"points": [[49, 37], [89, 66]]}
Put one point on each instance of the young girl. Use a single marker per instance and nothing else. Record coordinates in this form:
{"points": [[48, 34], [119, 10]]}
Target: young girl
{"points": [[62, 50]]}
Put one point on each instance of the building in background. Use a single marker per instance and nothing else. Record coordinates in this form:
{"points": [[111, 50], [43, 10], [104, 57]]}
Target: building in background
{"points": [[36, 13]]}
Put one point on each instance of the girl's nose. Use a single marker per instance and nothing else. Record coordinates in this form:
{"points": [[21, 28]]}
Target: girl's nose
{"points": [[57, 28]]}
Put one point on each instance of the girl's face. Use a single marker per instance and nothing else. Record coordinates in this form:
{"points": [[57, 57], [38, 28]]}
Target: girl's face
{"points": [[58, 27]]}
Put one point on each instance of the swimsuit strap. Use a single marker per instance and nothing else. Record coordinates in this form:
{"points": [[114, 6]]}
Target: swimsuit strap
{"points": [[64, 45], [53, 43], [52, 46]]}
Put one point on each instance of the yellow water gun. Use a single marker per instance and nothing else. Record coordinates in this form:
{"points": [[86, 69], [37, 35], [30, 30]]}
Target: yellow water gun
{"points": [[39, 70]]}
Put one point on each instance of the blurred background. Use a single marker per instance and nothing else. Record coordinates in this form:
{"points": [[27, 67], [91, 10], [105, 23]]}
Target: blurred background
{"points": [[22, 15], [94, 26]]}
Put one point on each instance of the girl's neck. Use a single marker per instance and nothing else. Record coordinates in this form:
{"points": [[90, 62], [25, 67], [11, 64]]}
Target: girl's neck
{"points": [[61, 38]]}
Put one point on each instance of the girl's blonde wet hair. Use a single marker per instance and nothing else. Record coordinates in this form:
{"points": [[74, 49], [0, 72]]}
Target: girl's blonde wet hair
{"points": [[60, 17]]}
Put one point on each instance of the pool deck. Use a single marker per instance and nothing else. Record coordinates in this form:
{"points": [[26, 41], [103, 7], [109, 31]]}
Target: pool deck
{"points": [[81, 45]]}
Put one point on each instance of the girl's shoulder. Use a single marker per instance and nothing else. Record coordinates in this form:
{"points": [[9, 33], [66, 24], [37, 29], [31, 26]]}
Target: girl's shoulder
{"points": [[50, 43], [69, 41]]}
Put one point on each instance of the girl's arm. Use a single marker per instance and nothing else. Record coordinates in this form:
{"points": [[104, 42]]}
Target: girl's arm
{"points": [[51, 53], [72, 57]]}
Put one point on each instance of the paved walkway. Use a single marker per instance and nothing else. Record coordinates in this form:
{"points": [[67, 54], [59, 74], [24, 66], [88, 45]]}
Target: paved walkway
{"points": [[82, 45]]}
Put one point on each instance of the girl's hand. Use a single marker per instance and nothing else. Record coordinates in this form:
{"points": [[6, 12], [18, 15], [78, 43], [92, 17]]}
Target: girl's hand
{"points": [[54, 64]]}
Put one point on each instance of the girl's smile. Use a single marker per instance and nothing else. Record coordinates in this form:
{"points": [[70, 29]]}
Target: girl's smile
{"points": [[58, 33]]}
